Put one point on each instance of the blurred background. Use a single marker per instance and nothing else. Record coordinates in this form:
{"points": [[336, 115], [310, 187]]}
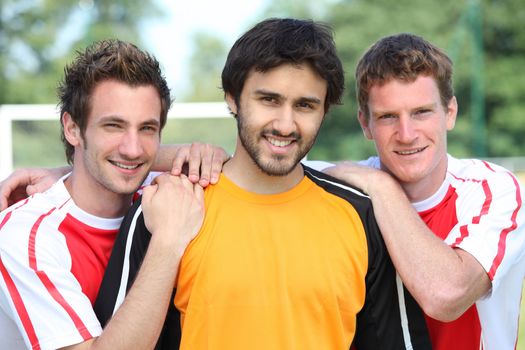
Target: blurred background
{"points": [[485, 39]]}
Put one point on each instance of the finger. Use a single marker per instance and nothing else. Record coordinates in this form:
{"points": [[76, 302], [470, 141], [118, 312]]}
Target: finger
{"points": [[216, 167], [40, 186], [206, 165], [199, 192], [162, 178], [185, 181], [6, 191], [181, 157], [194, 162]]}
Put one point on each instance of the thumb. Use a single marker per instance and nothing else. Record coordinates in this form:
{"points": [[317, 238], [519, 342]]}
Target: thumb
{"points": [[32, 189]]}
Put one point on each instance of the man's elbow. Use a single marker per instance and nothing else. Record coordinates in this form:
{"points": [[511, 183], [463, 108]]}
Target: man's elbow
{"points": [[445, 306]]}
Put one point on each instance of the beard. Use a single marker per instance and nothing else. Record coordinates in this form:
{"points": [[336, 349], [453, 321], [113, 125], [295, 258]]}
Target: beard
{"points": [[277, 164]]}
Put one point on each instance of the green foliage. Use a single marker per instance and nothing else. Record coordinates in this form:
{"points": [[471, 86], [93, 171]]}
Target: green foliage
{"points": [[45, 33], [34, 30], [206, 65], [484, 38]]}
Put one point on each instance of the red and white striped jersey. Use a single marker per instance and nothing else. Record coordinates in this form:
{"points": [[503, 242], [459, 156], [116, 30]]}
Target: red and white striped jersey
{"points": [[52, 259], [478, 208]]}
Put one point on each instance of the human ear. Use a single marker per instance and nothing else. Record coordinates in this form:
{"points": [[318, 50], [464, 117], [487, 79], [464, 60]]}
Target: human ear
{"points": [[71, 130], [232, 105], [363, 121], [452, 112]]}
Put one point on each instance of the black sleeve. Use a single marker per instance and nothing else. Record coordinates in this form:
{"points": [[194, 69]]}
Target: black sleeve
{"points": [[389, 319], [126, 257]]}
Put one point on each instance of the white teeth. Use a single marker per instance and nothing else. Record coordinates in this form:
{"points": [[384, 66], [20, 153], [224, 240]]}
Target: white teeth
{"points": [[128, 167], [279, 143], [409, 152]]}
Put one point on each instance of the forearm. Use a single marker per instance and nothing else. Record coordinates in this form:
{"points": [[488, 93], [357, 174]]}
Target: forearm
{"points": [[444, 281], [138, 322]]}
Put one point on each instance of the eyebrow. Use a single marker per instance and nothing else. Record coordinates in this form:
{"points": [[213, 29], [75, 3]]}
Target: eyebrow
{"points": [[380, 112], [119, 119], [263, 92]]}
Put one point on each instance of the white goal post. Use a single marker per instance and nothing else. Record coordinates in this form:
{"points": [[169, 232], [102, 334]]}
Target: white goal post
{"points": [[10, 113]]}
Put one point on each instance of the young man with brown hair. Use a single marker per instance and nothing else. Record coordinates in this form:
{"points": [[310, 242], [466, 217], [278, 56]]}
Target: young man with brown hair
{"points": [[454, 228]]}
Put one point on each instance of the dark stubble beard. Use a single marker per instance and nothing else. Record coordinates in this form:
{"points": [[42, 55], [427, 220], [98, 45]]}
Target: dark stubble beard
{"points": [[279, 166]]}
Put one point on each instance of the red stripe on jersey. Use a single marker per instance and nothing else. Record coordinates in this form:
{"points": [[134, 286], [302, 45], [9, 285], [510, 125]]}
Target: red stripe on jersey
{"points": [[20, 307], [32, 240], [53, 291], [8, 215], [502, 244], [487, 165], [82, 329], [483, 211]]}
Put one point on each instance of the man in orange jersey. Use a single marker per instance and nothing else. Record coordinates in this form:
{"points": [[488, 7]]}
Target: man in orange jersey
{"points": [[287, 257]]}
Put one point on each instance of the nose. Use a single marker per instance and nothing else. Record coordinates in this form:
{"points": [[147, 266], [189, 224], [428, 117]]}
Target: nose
{"points": [[406, 132], [284, 122], [130, 145]]}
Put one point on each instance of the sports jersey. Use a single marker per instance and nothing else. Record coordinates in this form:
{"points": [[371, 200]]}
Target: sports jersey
{"points": [[302, 269], [52, 259], [478, 208]]}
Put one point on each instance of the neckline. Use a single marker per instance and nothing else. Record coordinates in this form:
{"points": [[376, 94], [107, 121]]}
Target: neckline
{"points": [[269, 199]]}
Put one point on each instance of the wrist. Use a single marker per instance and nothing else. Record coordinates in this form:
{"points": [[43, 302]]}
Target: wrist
{"points": [[380, 183]]}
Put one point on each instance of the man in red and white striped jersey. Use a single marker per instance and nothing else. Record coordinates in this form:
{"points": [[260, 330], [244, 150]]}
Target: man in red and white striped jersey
{"points": [[461, 252], [54, 246]]}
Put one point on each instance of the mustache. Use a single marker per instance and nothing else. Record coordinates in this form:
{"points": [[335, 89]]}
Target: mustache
{"points": [[274, 132]]}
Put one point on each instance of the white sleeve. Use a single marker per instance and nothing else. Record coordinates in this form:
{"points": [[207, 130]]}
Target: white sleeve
{"points": [[38, 291], [491, 224]]}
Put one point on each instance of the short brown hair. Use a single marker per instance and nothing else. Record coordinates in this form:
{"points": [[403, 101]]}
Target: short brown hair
{"points": [[403, 57], [101, 61]]}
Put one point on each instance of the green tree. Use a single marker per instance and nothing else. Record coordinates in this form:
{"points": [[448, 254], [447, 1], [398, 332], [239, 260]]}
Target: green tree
{"points": [[207, 60], [37, 38], [486, 40]]}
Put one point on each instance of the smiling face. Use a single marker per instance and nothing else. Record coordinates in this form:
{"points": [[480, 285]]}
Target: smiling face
{"points": [[409, 125], [120, 142], [279, 115]]}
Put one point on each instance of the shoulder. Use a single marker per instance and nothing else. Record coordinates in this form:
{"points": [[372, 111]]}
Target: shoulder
{"points": [[358, 200], [336, 187], [476, 172], [43, 212]]}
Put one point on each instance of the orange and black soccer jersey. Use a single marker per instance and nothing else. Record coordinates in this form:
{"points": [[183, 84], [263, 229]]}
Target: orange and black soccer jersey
{"points": [[303, 269]]}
